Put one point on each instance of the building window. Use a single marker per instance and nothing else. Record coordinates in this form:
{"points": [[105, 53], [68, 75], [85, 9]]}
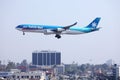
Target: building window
{"points": [[13, 76], [22, 76], [27, 76], [34, 59], [37, 77], [18, 76], [40, 59], [31, 77]]}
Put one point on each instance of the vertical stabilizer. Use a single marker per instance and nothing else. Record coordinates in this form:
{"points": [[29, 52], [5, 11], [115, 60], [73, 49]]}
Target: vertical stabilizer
{"points": [[94, 23]]}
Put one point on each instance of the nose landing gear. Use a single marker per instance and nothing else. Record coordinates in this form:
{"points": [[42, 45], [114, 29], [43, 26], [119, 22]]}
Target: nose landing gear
{"points": [[23, 33]]}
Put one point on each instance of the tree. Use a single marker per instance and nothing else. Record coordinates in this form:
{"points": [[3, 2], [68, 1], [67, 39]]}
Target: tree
{"points": [[24, 63], [10, 65]]}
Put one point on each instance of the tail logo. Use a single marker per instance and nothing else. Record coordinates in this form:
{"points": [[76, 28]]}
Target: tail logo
{"points": [[94, 24]]}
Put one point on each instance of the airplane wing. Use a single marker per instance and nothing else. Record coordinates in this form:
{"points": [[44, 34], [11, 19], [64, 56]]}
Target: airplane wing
{"points": [[67, 27], [64, 28]]}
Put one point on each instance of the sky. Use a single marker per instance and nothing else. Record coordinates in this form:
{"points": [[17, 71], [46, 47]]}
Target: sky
{"points": [[95, 48]]}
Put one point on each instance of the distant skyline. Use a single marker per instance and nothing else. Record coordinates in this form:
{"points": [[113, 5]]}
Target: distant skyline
{"points": [[108, 62], [95, 48]]}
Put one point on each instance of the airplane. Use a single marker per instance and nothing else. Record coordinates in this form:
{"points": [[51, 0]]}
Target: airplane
{"points": [[59, 30]]}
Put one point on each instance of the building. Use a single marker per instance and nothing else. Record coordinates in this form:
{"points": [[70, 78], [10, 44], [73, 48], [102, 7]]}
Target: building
{"points": [[29, 75], [119, 71], [59, 69], [115, 72], [34, 75], [33, 68], [5, 74], [46, 58], [22, 68]]}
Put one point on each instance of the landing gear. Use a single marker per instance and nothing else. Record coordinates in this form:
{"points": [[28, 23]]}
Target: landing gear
{"points": [[58, 36], [23, 33]]}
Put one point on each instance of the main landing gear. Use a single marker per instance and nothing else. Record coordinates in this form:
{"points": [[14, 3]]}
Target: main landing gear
{"points": [[58, 36]]}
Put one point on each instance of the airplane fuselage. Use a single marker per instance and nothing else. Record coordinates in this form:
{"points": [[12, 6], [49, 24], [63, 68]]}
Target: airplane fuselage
{"points": [[47, 29]]}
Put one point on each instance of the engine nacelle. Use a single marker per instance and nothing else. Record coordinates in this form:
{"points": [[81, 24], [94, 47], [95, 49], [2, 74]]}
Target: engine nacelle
{"points": [[60, 29], [48, 32]]}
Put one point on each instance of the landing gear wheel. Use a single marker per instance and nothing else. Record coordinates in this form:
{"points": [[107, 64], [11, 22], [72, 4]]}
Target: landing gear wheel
{"points": [[23, 33], [57, 36]]}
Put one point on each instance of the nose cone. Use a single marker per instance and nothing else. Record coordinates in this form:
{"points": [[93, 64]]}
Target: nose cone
{"points": [[19, 27]]}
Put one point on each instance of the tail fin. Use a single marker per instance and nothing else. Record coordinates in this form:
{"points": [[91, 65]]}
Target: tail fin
{"points": [[94, 23]]}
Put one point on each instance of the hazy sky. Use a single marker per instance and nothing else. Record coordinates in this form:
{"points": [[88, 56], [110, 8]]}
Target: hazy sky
{"points": [[96, 47]]}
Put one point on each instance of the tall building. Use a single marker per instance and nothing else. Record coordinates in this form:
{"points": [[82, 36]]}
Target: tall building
{"points": [[115, 71], [46, 58]]}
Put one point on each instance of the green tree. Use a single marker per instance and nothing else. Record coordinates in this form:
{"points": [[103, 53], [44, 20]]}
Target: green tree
{"points": [[10, 65]]}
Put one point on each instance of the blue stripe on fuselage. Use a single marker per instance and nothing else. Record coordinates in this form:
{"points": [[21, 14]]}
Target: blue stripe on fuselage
{"points": [[38, 26]]}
